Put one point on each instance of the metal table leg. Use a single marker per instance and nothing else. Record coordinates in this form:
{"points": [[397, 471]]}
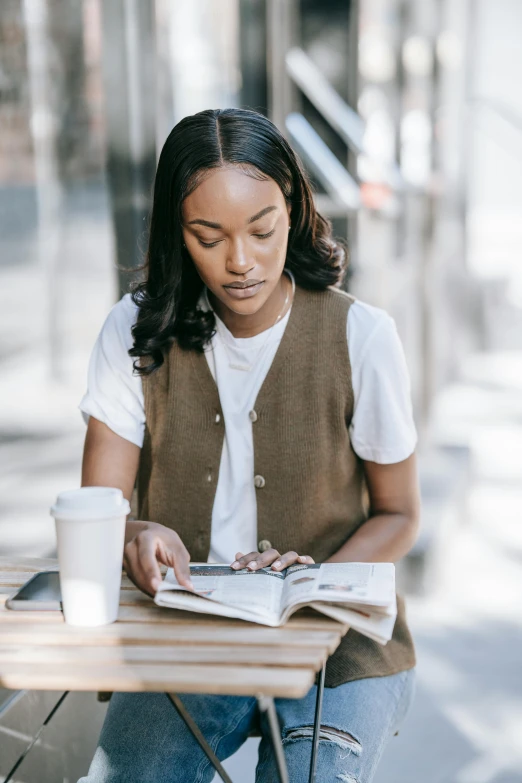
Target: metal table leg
{"points": [[317, 724], [198, 736], [35, 738], [266, 704]]}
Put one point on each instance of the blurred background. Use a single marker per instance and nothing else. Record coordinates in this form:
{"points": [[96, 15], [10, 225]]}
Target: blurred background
{"points": [[408, 117]]}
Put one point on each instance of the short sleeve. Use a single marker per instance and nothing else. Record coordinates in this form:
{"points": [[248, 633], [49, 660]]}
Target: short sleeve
{"points": [[382, 428], [114, 392]]}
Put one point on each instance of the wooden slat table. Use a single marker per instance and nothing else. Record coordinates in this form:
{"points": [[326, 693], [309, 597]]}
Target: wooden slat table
{"points": [[152, 648]]}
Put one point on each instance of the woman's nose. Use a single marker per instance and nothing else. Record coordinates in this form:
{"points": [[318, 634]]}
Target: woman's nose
{"points": [[239, 262]]}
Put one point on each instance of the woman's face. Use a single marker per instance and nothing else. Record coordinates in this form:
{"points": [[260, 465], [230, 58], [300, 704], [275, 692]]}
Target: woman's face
{"points": [[236, 231]]}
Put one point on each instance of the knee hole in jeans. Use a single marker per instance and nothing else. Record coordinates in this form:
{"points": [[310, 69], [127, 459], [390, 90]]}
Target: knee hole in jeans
{"points": [[326, 734]]}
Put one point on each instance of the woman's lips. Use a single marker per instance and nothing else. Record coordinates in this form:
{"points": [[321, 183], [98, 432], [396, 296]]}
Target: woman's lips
{"points": [[244, 293]]}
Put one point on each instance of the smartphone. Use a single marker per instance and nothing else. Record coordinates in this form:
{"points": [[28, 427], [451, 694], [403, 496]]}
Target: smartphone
{"points": [[40, 592]]}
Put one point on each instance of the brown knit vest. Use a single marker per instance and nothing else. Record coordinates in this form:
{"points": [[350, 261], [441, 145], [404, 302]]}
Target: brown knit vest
{"points": [[309, 481]]}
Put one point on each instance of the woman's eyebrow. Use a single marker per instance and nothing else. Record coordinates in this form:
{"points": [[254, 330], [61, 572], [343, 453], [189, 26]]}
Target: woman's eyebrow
{"points": [[261, 214], [201, 222], [209, 224]]}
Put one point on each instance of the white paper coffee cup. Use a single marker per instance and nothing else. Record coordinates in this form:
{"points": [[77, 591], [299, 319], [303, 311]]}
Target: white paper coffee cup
{"points": [[90, 532]]}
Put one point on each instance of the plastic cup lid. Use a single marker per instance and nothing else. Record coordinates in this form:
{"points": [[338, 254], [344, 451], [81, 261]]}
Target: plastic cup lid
{"points": [[90, 503]]}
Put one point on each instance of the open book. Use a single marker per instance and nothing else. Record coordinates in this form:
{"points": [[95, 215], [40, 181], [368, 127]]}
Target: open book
{"points": [[359, 594]]}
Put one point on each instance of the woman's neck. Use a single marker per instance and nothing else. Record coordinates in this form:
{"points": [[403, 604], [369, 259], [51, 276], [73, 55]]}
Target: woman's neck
{"points": [[275, 308]]}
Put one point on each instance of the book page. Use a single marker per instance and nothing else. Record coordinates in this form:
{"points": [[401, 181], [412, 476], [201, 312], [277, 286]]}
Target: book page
{"points": [[301, 584], [254, 593], [190, 602], [376, 626], [369, 584]]}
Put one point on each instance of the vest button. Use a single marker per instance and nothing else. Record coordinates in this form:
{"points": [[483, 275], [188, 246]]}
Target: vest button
{"points": [[259, 482], [218, 418], [252, 416], [264, 545]]}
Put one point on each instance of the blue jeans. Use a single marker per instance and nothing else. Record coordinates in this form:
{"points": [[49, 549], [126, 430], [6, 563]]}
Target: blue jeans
{"points": [[143, 740]]}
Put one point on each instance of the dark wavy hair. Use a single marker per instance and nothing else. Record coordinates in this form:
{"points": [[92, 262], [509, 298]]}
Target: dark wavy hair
{"points": [[168, 296]]}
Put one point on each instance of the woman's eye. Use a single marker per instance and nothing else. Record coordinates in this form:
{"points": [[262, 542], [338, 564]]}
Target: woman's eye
{"points": [[265, 236], [217, 241]]}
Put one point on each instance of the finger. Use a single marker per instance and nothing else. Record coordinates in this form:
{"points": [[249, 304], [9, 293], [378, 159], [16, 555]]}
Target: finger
{"points": [[241, 562], [235, 564], [145, 567], [289, 558], [263, 560], [177, 557], [129, 559], [285, 560]]}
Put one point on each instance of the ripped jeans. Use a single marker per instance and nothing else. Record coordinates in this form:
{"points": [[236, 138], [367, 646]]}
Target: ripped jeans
{"points": [[143, 740]]}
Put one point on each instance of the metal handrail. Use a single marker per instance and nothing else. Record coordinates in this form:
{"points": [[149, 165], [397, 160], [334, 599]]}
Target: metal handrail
{"points": [[342, 118], [335, 179], [483, 107], [307, 76], [499, 108]]}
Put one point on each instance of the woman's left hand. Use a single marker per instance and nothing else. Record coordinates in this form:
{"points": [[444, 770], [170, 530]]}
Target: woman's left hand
{"points": [[255, 560]]}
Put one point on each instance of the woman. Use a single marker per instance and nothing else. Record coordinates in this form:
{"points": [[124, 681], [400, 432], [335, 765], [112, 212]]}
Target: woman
{"points": [[267, 421]]}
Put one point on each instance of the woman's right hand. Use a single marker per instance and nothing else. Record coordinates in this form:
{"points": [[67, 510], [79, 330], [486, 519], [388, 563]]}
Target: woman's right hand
{"points": [[150, 545]]}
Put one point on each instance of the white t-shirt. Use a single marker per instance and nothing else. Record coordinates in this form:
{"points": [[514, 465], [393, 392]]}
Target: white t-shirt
{"points": [[382, 428]]}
